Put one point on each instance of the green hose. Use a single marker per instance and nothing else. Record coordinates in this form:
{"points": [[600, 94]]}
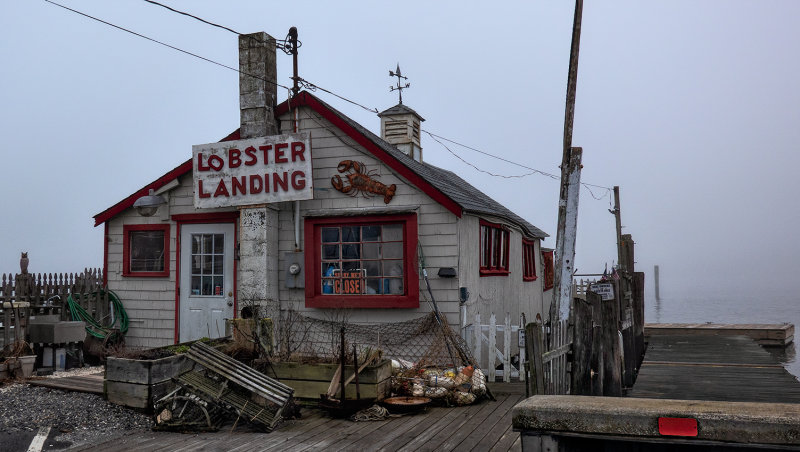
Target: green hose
{"points": [[109, 334]]}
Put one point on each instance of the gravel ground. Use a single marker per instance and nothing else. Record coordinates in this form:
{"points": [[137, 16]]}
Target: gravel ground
{"points": [[75, 417]]}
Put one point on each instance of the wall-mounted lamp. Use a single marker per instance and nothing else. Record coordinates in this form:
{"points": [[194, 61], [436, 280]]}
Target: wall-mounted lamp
{"points": [[147, 206], [447, 272]]}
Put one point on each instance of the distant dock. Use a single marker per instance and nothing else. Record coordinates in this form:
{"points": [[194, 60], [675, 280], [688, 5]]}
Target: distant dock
{"points": [[700, 385], [779, 335]]}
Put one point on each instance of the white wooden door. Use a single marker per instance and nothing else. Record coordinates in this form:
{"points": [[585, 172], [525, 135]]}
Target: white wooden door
{"points": [[206, 291]]}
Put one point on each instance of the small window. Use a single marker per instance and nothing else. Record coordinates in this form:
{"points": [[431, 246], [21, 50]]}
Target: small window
{"points": [[145, 250], [494, 249], [528, 260]]}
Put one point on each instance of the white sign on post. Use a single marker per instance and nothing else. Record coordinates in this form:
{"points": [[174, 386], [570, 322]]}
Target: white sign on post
{"points": [[253, 171], [605, 290]]}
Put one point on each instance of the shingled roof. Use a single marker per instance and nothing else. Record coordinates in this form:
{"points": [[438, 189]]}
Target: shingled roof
{"points": [[468, 197], [453, 190]]}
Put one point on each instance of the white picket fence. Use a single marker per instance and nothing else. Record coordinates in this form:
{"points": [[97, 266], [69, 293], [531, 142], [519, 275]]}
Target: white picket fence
{"points": [[580, 286], [479, 336]]}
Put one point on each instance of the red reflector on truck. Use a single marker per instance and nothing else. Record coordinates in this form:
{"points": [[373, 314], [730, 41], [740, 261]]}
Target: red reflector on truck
{"points": [[677, 426]]}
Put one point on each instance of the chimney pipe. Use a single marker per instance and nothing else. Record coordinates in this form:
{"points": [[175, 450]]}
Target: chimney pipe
{"points": [[258, 89]]}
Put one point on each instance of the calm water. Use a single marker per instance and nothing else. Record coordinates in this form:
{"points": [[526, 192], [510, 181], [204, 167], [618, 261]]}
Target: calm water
{"points": [[765, 307]]}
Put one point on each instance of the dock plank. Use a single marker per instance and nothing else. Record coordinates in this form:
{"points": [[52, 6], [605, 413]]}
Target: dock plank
{"points": [[721, 368], [765, 334], [485, 424]]}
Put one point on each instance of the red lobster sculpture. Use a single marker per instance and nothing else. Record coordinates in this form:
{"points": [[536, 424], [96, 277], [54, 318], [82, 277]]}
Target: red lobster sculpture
{"points": [[361, 181]]}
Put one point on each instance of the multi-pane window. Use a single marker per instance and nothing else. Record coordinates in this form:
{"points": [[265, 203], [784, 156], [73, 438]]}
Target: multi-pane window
{"points": [[528, 260], [208, 264], [362, 260], [494, 249], [145, 250]]}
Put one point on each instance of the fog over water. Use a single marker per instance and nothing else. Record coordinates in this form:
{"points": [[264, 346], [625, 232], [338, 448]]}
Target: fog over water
{"points": [[681, 305]]}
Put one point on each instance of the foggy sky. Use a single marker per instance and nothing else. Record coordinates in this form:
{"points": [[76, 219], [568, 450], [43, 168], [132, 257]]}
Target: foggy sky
{"points": [[690, 107]]}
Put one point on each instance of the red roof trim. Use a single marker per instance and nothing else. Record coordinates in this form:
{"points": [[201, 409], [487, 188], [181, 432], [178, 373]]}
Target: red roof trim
{"points": [[304, 99], [126, 203]]}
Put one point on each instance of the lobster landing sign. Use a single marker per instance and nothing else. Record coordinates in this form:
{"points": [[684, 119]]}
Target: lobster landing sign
{"points": [[253, 171]]}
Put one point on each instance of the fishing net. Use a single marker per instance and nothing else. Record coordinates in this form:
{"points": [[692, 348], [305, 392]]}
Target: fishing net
{"points": [[422, 342]]}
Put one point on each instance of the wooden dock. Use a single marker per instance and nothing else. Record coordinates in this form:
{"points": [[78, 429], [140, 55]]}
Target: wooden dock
{"points": [[712, 367], [765, 334], [485, 426]]}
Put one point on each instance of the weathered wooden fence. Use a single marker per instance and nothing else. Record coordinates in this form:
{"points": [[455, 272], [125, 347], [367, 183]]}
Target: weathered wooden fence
{"points": [[479, 336], [46, 293], [599, 351], [548, 367]]}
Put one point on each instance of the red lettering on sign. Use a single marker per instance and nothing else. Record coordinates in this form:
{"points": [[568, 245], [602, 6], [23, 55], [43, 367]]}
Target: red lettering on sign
{"points": [[200, 191], [298, 150], [265, 150], [337, 286], [276, 180], [256, 184], [239, 184], [298, 180], [200, 165], [251, 153], [215, 162], [234, 158], [222, 190], [279, 157], [266, 183]]}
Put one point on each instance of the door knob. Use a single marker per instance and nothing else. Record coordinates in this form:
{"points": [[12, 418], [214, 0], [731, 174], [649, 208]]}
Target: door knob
{"points": [[230, 303]]}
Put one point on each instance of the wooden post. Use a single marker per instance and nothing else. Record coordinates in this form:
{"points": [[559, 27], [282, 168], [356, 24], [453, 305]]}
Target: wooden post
{"points": [[627, 249], [655, 277], [597, 368], [507, 349], [565, 238], [618, 221], [492, 374], [612, 352], [581, 376], [628, 351], [638, 317], [570, 185], [534, 342], [478, 339]]}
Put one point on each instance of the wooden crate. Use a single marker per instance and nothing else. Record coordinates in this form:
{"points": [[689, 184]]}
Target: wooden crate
{"points": [[311, 380], [137, 383]]}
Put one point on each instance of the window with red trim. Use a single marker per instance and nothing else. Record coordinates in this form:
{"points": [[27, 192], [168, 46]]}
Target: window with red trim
{"points": [[145, 250], [528, 260], [361, 262], [494, 249]]}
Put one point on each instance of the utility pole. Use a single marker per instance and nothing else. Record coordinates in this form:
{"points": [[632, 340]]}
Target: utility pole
{"points": [[570, 187], [621, 261]]}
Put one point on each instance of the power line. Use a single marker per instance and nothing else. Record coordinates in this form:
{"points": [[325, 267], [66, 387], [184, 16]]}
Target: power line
{"points": [[585, 185], [193, 17], [314, 87], [165, 44]]}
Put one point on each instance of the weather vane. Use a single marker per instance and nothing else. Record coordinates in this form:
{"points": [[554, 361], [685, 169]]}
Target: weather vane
{"points": [[399, 88]]}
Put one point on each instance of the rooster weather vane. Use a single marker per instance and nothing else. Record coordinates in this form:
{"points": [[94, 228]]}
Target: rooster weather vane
{"points": [[400, 87]]}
